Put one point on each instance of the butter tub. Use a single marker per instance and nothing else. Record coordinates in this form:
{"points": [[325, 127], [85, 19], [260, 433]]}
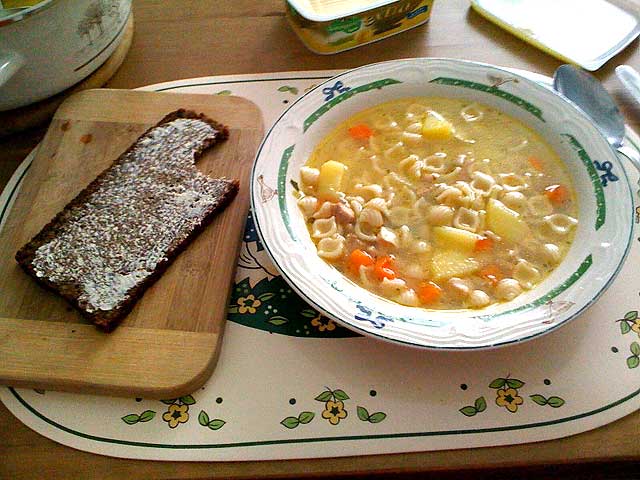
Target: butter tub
{"points": [[332, 26]]}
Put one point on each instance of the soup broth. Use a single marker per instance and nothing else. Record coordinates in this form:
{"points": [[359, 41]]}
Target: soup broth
{"points": [[438, 203]]}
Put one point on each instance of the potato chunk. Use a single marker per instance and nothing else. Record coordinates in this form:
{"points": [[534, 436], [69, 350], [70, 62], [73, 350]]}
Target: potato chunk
{"points": [[452, 263], [435, 127], [505, 222], [330, 178], [455, 238]]}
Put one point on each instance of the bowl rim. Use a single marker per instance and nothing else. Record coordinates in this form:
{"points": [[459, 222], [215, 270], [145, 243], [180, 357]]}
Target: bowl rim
{"points": [[491, 345]]}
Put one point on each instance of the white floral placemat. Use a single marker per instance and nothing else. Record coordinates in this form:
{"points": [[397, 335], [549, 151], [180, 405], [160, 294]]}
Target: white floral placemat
{"points": [[290, 383]]}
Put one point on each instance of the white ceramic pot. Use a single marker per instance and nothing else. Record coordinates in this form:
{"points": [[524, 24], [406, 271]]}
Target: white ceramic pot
{"points": [[55, 44]]}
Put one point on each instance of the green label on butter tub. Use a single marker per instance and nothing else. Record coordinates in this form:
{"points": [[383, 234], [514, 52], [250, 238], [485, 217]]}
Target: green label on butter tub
{"points": [[346, 25]]}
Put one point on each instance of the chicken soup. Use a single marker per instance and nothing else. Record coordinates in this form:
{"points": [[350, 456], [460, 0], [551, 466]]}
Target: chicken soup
{"points": [[438, 203]]}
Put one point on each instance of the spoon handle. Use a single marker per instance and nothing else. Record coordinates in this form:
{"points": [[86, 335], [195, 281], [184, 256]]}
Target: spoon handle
{"points": [[630, 79]]}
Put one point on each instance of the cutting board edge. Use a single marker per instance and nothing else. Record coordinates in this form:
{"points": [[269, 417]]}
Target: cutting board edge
{"points": [[160, 381], [78, 103]]}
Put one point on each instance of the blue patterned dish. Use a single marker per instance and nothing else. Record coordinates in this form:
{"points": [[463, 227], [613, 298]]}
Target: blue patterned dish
{"points": [[605, 201]]}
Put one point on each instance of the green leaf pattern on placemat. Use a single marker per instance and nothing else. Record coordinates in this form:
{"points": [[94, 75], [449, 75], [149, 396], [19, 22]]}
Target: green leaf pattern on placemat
{"points": [[287, 88], [213, 424], [630, 323], [302, 419], [133, 418]]}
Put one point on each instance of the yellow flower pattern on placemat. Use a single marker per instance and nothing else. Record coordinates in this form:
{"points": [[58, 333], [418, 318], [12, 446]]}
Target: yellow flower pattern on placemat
{"points": [[323, 323], [334, 412], [176, 414], [509, 399], [248, 304]]}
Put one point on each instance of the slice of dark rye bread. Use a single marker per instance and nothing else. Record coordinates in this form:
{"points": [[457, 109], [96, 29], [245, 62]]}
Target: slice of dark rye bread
{"points": [[119, 234]]}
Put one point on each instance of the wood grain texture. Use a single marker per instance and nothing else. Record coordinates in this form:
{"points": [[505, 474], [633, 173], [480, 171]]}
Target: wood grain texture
{"points": [[47, 344], [177, 39]]}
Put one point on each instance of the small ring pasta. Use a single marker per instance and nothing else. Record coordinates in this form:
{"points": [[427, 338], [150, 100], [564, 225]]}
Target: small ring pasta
{"points": [[324, 227], [378, 204], [412, 166], [371, 216], [539, 205], [479, 299], [551, 253], [356, 205], [435, 163], [526, 274], [411, 139], [394, 179], [466, 219], [308, 205], [560, 223], [408, 297], [395, 152], [389, 236], [438, 215], [508, 289], [367, 192], [513, 182], [516, 201], [468, 193], [393, 287], [472, 113], [415, 127], [363, 275], [325, 210], [448, 195], [451, 176], [367, 236], [331, 248], [482, 182], [459, 287]]}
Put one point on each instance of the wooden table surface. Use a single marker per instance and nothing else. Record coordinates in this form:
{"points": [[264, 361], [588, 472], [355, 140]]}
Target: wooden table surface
{"points": [[177, 39]]}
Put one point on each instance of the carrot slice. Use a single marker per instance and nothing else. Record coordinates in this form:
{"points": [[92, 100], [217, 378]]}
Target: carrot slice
{"points": [[357, 258], [383, 268], [558, 194], [492, 273], [360, 132], [536, 163], [429, 292], [483, 245]]}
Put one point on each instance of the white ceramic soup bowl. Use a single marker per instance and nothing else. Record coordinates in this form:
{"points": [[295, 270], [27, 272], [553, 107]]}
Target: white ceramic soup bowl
{"points": [[605, 203]]}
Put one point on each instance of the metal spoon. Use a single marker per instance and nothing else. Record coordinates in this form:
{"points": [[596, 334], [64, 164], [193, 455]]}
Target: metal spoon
{"points": [[587, 92]]}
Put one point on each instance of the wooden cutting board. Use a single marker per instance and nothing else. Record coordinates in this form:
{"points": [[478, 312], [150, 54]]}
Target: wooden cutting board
{"points": [[169, 344]]}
